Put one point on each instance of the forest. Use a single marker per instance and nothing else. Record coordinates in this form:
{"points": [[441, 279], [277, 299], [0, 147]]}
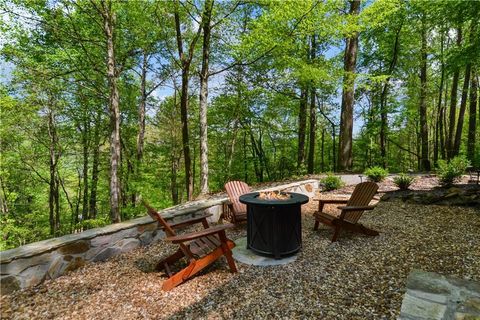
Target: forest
{"points": [[106, 102]]}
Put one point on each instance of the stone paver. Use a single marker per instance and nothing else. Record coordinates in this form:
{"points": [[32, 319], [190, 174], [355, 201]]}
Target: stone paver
{"points": [[435, 297], [244, 255]]}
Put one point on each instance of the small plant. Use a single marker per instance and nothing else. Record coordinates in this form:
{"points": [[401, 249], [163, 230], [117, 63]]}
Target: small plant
{"points": [[376, 174], [331, 182], [449, 172], [403, 181]]}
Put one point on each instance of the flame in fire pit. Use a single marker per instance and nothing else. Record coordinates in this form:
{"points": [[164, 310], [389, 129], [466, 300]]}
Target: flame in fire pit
{"points": [[274, 195]]}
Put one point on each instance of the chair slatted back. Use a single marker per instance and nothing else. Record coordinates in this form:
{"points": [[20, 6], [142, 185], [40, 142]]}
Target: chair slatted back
{"points": [[155, 215], [361, 196], [234, 190]]}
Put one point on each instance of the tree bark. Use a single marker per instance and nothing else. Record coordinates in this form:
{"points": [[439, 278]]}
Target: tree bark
{"points": [[92, 212], [85, 144], [425, 162], [472, 120], [345, 160], [206, 23], [383, 99], [53, 181], [453, 104], [439, 136], [313, 117], [302, 123], [461, 113], [141, 109], [113, 101], [185, 61], [463, 101]]}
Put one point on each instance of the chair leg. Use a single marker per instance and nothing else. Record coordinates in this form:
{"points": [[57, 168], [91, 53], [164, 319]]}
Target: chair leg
{"points": [[336, 233], [193, 268], [170, 259], [315, 227], [227, 247]]}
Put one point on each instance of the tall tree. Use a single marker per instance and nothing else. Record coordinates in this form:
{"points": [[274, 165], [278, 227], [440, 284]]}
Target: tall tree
{"points": [[472, 119], [185, 64], [425, 162], [345, 159], [453, 103], [109, 20], [313, 117], [463, 101], [204, 74]]}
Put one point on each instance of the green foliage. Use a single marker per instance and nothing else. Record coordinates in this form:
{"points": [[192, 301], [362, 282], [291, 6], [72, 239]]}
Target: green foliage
{"points": [[376, 174], [331, 182], [92, 223], [403, 181], [450, 171]]}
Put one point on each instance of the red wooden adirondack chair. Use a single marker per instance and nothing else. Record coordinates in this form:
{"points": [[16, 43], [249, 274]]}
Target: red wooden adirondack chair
{"points": [[237, 210], [200, 248], [350, 213]]}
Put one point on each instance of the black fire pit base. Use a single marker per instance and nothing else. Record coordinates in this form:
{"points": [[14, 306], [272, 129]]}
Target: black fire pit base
{"points": [[274, 227]]}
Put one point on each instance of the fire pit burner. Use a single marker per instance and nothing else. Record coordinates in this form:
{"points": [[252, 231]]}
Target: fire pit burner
{"points": [[274, 226], [274, 195]]}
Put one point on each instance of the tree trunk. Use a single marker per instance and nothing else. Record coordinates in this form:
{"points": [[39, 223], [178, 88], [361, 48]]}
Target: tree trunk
{"points": [[92, 212], [453, 104], [323, 150], [173, 180], [53, 186], [302, 123], [425, 162], [440, 143], [85, 143], [313, 117], [472, 120], [141, 109], [207, 14], [113, 99], [461, 113], [383, 99], [345, 160], [463, 101], [185, 61]]}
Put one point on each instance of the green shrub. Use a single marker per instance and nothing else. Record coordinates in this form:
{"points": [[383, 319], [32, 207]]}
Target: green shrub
{"points": [[403, 181], [449, 172], [376, 174], [331, 182]]}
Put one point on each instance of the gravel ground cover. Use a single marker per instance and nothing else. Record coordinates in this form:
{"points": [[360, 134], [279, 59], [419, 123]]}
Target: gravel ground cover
{"points": [[358, 277]]}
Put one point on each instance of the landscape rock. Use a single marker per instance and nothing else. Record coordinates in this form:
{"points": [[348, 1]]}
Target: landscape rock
{"points": [[75, 247], [107, 253], [9, 284], [74, 264]]}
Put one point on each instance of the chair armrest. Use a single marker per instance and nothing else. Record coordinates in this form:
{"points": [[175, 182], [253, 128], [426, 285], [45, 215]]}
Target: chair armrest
{"points": [[188, 222], [199, 234], [355, 208], [322, 202], [327, 201]]}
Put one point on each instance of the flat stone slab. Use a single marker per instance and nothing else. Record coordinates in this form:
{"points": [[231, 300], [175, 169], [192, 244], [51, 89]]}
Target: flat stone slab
{"points": [[246, 256], [436, 297]]}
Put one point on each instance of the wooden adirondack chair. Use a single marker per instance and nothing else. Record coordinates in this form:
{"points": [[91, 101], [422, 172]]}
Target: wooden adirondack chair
{"points": [[238, 210], [200, 248], [350, 213]]}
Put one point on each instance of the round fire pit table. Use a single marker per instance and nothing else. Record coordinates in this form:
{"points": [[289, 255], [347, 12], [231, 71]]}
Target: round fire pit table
{"points": [[274, 227]]}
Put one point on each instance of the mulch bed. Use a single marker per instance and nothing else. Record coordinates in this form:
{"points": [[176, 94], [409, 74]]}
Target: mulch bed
{"points": [[358, 277]]}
